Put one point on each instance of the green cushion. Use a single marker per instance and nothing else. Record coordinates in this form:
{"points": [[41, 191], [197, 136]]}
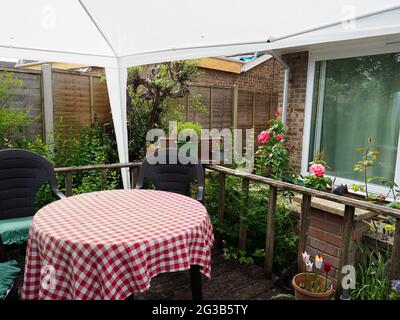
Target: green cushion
{"points": [[15, 231], [8, 274]]}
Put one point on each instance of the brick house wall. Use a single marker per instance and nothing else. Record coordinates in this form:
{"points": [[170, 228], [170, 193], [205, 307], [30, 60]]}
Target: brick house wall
{"points": [[264, 77], [298, 63]]}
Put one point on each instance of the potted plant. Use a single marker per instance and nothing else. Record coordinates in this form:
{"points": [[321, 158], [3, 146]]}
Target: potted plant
{"points": [[313, 285]]}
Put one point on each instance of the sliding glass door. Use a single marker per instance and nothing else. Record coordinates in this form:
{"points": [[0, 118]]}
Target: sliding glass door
{"points": [[355, 99]]}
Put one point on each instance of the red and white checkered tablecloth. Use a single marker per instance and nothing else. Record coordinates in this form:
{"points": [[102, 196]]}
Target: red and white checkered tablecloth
{"points": [[110, 244]]}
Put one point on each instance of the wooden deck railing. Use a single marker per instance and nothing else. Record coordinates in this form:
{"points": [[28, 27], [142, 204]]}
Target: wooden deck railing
{"points": [[349, 214]]}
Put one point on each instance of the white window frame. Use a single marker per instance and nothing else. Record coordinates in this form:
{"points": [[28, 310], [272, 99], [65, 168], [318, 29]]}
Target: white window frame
{"points": [[347, 51]]}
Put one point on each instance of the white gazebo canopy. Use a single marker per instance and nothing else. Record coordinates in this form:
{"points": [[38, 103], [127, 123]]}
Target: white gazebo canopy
{"points": [[122, 33]]}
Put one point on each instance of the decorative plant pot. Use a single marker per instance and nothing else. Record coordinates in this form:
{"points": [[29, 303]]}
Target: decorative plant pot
{"points": [[302, 294]]}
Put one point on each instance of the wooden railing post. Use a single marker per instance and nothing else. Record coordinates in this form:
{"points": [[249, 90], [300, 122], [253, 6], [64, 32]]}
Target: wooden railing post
{"points": [[270, 232], [103, 179], [347, 231], [395, 259], [304, 226], [221, 197], [68, 184], [242, 225], [134, 176]]}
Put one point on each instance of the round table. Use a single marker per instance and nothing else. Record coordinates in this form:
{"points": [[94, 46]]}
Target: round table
{"points": [[110, 244]]}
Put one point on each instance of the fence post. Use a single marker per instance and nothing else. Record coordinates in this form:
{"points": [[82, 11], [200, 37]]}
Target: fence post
{"points": [[242, 225], [134, 176], [68, 184], [91, 99], [235, 95], [48, 113], [210, 109], [304, 225], [270, 232], [103, 179], [347, 231], [395, 259], [221, 197]]}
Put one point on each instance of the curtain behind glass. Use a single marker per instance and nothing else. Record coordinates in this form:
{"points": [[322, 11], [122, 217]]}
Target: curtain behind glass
{"points": [[361, 99]]}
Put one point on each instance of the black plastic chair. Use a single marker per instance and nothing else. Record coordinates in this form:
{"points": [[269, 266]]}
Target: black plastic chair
{"points": [[9, 272], [22, 173], [171, 174]]}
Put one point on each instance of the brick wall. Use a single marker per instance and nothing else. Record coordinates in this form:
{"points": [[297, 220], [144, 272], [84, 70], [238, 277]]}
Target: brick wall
{"points": [[296, 105], [264, 77], [325, 236]]}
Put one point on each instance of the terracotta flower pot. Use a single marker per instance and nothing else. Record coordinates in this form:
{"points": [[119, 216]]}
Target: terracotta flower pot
{"points": [[302, 294]]}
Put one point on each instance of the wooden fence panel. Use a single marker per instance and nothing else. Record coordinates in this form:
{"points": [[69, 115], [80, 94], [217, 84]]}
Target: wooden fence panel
{"points": [[29, 97], [194, 114], [101, 102], [71, 97], [222, 108]]}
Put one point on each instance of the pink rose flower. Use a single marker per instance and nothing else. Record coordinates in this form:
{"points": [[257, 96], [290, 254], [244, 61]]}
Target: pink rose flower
{"points": [[317, 169], [279, 136], [263, 137]]}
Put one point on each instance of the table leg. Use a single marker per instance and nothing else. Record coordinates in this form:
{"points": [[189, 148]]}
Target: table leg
{"points": [[195, 277]]}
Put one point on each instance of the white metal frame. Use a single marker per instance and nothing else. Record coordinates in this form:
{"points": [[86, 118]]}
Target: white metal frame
{"points": [[347, 51]]}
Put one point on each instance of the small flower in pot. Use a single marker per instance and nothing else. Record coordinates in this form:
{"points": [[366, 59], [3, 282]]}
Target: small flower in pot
{"points": [[312, 285]]}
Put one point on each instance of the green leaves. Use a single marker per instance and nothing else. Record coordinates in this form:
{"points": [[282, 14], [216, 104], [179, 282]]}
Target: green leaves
{"points": [[272, 158], [319, 183], [9, 83], [285, 223], [369, 155], [358, 187], [372, 276]]}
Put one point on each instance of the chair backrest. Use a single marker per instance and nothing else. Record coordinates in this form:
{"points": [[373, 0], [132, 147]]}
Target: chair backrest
{"points": [[21, 174], [172, 175]]}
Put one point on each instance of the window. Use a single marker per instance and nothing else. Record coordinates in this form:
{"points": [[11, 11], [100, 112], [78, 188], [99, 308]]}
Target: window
{"points": [[354, 99]]}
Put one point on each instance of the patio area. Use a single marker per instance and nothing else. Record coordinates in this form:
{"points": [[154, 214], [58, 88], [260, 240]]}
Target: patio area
{"points": [[229, 281]]}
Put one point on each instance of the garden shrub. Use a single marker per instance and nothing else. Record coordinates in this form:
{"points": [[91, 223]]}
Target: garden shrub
{"points": [[255, 218], [372, 274]]}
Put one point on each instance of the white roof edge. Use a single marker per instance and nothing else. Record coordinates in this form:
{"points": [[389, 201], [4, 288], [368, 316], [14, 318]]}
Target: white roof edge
{"points": [[311, 41], [191, 53], [273, 39], [54, 56]]}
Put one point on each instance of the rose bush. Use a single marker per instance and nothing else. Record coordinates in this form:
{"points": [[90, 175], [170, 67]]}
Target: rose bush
{"points": [[272, 156]]}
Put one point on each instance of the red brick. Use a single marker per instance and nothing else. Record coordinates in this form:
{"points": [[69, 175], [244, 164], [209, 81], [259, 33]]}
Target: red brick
{"points": [[326, 225], [297, 92], [324, 247], [325, 236]]}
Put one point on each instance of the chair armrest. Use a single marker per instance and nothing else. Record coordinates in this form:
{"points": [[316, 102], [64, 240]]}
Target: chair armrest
{"points": [[58, 194], [200, 194], [139, 185]]}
